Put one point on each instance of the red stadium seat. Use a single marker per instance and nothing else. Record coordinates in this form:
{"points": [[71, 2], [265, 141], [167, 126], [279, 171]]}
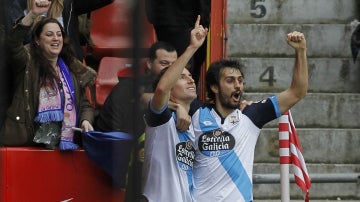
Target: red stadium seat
{"points": [[107, 76], [36, 174], [110, 68], [111, 30]]}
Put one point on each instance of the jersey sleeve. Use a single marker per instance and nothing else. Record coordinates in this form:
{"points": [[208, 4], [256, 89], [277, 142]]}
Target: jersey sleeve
{"points": [[155, 118], [263, 111]]}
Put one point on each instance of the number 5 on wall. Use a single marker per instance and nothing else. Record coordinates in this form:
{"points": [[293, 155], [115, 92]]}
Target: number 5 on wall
{"points": [[255, 6]]}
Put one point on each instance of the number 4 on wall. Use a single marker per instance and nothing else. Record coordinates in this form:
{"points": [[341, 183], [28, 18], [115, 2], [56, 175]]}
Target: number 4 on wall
{"points": [[268, 76]]}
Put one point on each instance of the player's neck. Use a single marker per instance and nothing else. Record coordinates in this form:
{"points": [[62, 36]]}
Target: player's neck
{"points": [[222, 110]]}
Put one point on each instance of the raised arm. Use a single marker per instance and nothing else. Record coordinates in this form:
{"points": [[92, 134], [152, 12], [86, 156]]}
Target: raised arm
{"points": [[299, 84], [18, 33], [39, 7], [170, 77]]}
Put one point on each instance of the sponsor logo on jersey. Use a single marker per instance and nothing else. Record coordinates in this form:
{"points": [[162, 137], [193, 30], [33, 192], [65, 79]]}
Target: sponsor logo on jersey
{"points": [[216, 143], [185, 155]]}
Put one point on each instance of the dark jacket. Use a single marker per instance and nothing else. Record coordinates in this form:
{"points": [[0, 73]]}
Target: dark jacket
{"points": [[72, 9], [5, 78], [178, 13], [120, 112], [18, 128]]}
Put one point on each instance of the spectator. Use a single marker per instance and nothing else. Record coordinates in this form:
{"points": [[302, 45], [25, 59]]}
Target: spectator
{"points": [[15, 10], [169, 153], [66, 11], [5, 73], [116, 111], [119, 112], [225, 137], [49, 96], [173, 21]]}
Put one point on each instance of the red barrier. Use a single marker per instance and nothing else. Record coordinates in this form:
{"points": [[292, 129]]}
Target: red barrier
{"points": [[39, 175]]}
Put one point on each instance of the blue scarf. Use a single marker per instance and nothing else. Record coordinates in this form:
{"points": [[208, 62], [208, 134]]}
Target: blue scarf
{"points": [[52, 103]]}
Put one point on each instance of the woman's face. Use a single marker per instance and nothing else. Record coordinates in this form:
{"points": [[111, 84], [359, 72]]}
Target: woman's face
{"points": [[51, 40]]}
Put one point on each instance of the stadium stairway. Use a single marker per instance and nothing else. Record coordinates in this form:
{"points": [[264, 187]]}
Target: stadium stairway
{"points": [[328, 119]]}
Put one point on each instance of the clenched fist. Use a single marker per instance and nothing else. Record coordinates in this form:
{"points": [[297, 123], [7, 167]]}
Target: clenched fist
{"points": [[296, 40]]}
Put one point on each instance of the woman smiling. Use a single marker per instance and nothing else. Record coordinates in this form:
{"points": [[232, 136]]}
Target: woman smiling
{"points": [[49, 97]]}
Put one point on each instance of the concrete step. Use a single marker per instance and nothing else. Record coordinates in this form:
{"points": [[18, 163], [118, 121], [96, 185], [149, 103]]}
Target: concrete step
{"points": [[265, 11], [330, 75], [328, 119], [317, 191], [321, 110], [313, 168], [268, 40], [323, 191], [318, 145]]}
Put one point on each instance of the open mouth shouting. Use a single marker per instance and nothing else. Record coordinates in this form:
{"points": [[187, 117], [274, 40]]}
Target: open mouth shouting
{"points": [[236, 96]]}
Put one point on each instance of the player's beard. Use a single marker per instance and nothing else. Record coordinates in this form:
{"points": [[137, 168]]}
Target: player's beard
{"points": [[226, 102]]}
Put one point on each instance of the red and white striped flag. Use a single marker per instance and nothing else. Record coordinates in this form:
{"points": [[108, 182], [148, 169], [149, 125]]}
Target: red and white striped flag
{"points": [[291, 152]]}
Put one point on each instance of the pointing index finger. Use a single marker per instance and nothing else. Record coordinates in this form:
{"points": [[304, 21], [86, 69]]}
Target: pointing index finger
{"points": [[197, 23]]}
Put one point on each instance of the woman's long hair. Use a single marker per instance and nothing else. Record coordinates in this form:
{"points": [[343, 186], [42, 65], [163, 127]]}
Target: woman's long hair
{"points": [[56, 9], [47, 72]]}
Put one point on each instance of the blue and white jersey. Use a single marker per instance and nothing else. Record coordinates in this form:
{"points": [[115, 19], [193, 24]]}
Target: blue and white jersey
{"points": [[169, 157], [225, 151]]}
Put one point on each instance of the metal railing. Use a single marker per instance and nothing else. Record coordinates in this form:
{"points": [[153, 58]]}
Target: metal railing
{"points": [[315, 178]]}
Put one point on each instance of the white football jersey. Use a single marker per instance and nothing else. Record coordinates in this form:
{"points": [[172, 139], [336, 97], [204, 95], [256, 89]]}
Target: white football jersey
{"points": [[169, 157], [225, 151]]}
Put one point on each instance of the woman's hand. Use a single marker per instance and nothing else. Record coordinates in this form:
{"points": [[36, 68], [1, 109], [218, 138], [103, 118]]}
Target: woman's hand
{"points": [[86, 126]]}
